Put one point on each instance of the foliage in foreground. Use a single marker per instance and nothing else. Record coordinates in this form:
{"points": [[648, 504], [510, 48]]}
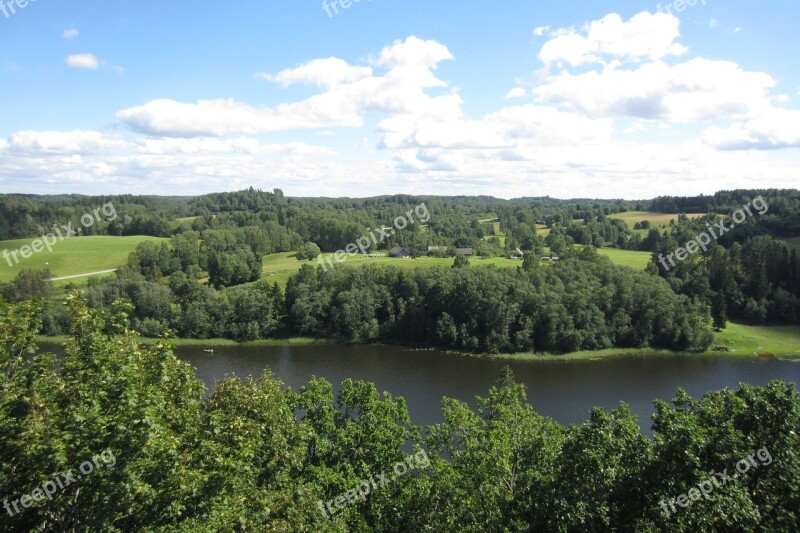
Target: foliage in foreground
{"points": [[254, 456]]}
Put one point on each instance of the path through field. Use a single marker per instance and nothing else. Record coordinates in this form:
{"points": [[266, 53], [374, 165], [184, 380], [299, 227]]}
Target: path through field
{"points": [[83, 275]]}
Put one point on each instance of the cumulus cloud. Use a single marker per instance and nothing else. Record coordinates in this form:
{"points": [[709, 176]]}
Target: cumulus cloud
{"points": [[70, 34], [348, 93], [328, 72], [775, 128], [644, 36], [88, 61], [696, 90], [605, 93], [63, 142]]}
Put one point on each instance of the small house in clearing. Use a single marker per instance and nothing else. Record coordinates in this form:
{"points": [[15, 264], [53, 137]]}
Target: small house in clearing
{"points": [[398, 251], [464, 251]]}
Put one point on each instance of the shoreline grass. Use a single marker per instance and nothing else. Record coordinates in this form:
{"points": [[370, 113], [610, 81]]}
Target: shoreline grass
{"points": [[780, 342]]}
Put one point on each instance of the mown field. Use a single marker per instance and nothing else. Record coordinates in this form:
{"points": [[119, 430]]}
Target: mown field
{"points": [[82, 255], [657, 220], [742, 339], [75, 255], [278, 267]]}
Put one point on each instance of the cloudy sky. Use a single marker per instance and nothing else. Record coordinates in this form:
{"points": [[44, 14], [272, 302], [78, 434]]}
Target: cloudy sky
{"points": [[570, 99]]}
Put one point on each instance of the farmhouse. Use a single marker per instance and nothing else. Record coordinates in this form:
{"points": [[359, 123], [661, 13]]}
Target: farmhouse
{"points": [[398, 251]]}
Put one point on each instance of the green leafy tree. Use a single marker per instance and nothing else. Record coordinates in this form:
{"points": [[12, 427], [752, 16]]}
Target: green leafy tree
{"points": [[308, 252]]}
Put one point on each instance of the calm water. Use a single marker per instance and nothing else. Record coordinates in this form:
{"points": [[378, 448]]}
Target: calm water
{"points": [[565, 391]]}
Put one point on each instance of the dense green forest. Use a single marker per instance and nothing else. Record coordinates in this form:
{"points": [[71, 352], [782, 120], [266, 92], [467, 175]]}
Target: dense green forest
{"points": [[206, 280], [117, 436]]}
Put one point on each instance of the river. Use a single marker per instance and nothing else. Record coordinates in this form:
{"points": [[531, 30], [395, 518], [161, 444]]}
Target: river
{"points": [[562, 390]]}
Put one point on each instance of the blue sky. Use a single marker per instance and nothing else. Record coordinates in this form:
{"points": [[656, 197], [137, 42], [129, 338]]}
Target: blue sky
{"points": [[603, 99]]}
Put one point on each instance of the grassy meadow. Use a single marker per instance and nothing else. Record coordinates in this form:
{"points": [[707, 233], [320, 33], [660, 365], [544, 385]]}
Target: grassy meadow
{"points": [[657, 220], [781, 341], [75, 255], [278, 267]]}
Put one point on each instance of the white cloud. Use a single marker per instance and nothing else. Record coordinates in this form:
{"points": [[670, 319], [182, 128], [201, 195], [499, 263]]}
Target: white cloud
{"points": [[713, 23], [328, 72], [413, 53], [592, 131], [83, 61], [70, 34], [347, 95], [541, 30], [697, 90], [645, 35], [63, 142], [773, 129]]}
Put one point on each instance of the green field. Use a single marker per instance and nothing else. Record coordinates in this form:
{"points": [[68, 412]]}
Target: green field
{"points": [[782, 341], [184, 220], [630, 258], [542, 230], [659, 221], [279, 267], [76, 255], [655, 219]]}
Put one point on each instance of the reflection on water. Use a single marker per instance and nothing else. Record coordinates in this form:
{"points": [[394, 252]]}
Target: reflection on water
{"points": [[565, 391]]}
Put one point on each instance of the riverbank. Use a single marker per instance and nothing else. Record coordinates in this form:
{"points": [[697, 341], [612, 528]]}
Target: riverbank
{"points": [[214, 343], [736, 340], [740, 340]]}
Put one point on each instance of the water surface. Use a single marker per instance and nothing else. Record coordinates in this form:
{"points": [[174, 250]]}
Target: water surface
{"points": [[562, 390]]}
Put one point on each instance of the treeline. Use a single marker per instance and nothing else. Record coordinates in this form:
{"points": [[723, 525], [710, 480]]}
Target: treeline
{"points": [[745, 274], [582, 303], [333, 223], [757, 282], [573, 305], [255, 456], [23, 216]]}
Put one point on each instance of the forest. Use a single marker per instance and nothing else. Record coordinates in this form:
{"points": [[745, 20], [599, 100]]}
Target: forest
{"points": [[206, 280]]}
